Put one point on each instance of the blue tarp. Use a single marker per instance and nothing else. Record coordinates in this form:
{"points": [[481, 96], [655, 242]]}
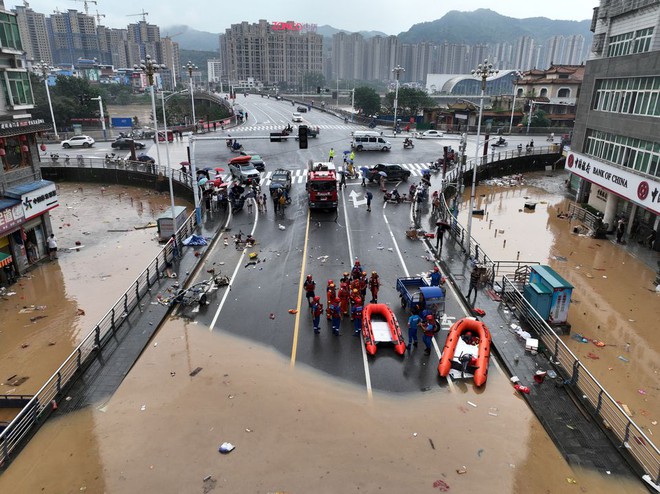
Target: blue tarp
{"points": [[195, 240]]}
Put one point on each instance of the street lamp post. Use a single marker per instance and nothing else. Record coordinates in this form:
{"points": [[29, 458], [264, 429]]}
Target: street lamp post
{"points": [[397, 71], [529, 117], [45, 69], [191, 67], [484, 71], [515, 93], [167, 157], [100, 100]]}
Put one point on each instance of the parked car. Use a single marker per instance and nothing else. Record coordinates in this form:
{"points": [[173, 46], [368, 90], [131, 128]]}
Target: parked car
{"points": [[125, 143], [256, 160], [302, 109], [431, 134], [281, 179], [296, 117], [244, 172], [392, 171], [80, 141]]}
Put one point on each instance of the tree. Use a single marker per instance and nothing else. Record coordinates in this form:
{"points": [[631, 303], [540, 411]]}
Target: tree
{"points": [[411, 101], [539, 119], [312, 80], [367, 100]]}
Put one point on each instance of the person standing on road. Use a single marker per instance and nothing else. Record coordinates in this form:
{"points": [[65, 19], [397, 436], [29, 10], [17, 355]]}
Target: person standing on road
{"points": [[342, 181], [276, 201], [310, 286], [370, 196], [330, 294], [429, 328], [475, 276], [317, 310], [374, 286], [344, 292], [52, 246], [413, 323], [356, 316], [331, 155], [335, 315], [439, 235], [435, 276]]}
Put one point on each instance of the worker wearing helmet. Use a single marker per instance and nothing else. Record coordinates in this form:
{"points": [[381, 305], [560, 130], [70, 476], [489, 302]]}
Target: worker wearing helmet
{"points": [[354, 296], [356, 272], [331, 294], [429, 328], [334, 309], [356, 316], [346, 278], [317, 310], [435, 276], [374, 286], [310, 286], [364, 283]]}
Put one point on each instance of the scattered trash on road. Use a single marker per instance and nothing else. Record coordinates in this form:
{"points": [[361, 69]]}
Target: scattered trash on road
{"points": [[226, 448], [623, 359], [195, 372]]}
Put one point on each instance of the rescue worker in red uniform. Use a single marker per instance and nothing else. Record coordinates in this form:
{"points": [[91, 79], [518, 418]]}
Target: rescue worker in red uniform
{"points": [[317, 310], [346, 278], [364, 283], [335, 314], [356, 272], [430, 328], [374, 286], [354, 296], [310, 286], [331, 294], [356, 317], [344, 292]]}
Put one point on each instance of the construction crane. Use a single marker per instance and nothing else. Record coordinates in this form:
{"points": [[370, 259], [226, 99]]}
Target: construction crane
{"points": [[85, 2], [143, 14], [98, 17]]}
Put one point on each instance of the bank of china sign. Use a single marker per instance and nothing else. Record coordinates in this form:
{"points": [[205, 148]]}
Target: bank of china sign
{"points": [[635, 188]]}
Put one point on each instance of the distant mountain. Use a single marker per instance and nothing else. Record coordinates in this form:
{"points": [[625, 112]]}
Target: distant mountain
{"points": [[191, 39], [486, 26], [329, 31]]}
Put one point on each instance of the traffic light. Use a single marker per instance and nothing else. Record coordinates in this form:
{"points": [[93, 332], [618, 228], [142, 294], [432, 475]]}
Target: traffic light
{"points": [[302, 136]]}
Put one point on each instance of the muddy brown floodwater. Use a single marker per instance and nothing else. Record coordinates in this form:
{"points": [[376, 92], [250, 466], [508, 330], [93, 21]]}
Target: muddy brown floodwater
{"points": [[295, 430], [58, 303], [613, 300]]}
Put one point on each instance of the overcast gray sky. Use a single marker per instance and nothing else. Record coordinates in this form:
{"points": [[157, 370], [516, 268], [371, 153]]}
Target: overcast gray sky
{"points": [[388, 16]]}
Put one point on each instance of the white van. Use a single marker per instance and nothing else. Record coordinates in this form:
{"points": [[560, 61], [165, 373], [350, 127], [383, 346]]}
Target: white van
{"points": [[369, 140]]}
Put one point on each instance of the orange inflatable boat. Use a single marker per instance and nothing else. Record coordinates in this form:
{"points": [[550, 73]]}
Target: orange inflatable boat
{"points": [[466, 350], [379, 324]]}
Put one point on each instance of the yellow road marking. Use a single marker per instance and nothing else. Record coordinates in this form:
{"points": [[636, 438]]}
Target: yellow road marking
{"points": [[296, 326]]}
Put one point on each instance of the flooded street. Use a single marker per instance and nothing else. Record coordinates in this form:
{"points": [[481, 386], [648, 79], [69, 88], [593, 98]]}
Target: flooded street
{"points": [[613, 300], [295, 430], [58, 303]]}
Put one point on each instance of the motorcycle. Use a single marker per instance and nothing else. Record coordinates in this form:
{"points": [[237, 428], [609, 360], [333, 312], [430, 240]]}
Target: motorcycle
{"points": [[501, 142], [54, 157], [394, 197], [408, 143]]}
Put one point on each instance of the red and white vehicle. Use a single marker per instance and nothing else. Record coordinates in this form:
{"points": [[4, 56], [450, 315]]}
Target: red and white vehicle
{"points": [[322, 185]]}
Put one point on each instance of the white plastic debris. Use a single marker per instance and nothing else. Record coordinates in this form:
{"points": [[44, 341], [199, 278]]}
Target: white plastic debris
{"points": [[281, 227], [226, 448]]}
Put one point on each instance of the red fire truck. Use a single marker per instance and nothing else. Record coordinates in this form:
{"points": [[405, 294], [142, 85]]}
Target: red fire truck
{"points": [[322, 185]]}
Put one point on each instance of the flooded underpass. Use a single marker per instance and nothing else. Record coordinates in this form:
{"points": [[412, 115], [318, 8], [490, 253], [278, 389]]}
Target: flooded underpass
{"points": [[303, 431], [614, 306]]}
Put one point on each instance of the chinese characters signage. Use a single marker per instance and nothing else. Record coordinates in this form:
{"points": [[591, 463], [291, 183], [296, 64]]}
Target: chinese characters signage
{"points": [[11, 217], [636, 188], [293, 26], [38, 201]]}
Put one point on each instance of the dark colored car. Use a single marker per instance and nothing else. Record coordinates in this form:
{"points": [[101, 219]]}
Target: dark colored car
{"points": [[256, 160], [281, 179], [302, 109], [125, 143], [393, 172]]}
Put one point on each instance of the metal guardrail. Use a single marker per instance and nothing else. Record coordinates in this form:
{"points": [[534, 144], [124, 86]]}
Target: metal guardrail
{"points": [[613, 418], [43, 402], [579, 213]]}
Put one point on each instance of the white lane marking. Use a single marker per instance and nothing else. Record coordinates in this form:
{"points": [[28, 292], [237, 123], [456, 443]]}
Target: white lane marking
{"points": [[238, 265], [365, 360]]}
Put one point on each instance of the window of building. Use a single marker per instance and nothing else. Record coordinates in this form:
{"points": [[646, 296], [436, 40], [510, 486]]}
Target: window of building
{"points": [[628, 43], [544, 92], [16, 88], [9, 35], [564, 93], [642, 42], [636, 96], [15, 157], [629, 152]]}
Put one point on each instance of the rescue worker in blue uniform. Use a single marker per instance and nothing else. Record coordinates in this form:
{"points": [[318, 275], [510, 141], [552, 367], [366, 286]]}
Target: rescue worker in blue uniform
{"points": [[436, 277], [335, 314], [317, 311], [356, 315]]}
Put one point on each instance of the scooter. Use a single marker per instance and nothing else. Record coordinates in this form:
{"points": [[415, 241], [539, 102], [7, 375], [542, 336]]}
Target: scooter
{"points": [[54, 157], [408, 144], [394, 197]]}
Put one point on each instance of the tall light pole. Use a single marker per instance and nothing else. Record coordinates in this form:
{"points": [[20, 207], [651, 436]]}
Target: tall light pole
{"points": [[169, 164], [150, 67], [45, 69], [100, 100], [529, 117], [191, 67], [518, 75], [484, 71], [397, 72]]}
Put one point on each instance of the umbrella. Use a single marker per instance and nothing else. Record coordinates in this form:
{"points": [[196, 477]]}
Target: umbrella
{"points": [[347, 152], [202, 181], [364, 168], [206, 169], [219, 169], [145, 158], [185, 163], [382, 174]]}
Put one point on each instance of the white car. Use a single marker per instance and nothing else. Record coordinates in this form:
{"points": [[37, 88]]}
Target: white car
{"points": [[81, 141], [429, 134], [296, 117]]}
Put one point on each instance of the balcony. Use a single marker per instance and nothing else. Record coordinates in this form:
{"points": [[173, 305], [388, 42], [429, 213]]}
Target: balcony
{"points": [[624, 6]]}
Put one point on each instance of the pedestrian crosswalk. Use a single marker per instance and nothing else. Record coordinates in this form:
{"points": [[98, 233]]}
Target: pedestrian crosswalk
{"points": [[278, 127], [299, 176]]}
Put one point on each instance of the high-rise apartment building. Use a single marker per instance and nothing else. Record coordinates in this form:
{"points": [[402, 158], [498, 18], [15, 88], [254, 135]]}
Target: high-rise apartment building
{"points": [[270, 52], [72, 36], [348, 52], [615, 155], [34, 34]]}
